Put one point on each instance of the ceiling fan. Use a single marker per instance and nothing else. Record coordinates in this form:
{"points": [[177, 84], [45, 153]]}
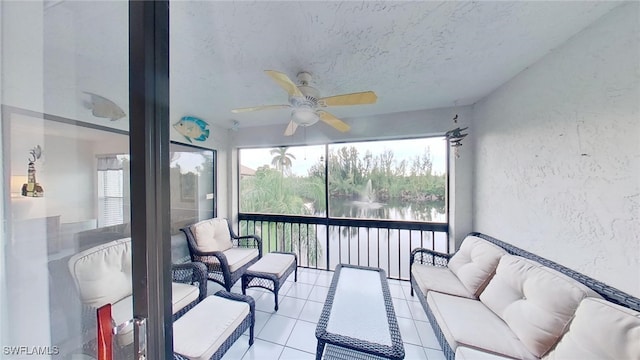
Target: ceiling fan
{"points": [[305, 102]]}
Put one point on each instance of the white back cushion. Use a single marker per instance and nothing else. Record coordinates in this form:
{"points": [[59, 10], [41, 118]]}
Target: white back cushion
{"points": [[440, 279], [535, 301], [102, 274], [600, 330], [475, 263], [212, 235]]}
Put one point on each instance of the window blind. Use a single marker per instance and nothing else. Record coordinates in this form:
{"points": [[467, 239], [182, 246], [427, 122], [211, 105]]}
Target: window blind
{"points": [[110, 191]]}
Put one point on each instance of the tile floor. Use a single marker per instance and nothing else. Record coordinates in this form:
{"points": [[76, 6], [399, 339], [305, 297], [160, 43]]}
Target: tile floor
{"points": [[289, 333]]}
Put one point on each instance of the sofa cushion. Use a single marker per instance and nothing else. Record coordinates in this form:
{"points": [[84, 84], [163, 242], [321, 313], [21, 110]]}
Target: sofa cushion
{"points": [[200, 332], [238, 257], [273, 263], [212, 235], [440, 279], [102, 274], [535, 301], [182, 295], [466, 353], [475, 262], [467, 322], [600, 330]]}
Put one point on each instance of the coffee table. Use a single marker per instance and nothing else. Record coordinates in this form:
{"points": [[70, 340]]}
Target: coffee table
{"points": [[358, 320]]}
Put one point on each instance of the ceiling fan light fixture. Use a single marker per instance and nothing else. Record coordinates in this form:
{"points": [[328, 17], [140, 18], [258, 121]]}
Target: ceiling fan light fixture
{"points": [[307, 105], [304, 116]]}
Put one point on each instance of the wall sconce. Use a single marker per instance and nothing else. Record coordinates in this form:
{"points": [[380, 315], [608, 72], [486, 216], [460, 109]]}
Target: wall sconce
{"points": [[455, 136]]}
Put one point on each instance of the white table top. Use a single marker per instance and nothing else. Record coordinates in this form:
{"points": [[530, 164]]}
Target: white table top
{"points": [[358, 308]]}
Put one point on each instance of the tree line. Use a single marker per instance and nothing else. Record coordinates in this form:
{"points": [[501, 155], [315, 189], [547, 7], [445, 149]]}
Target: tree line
{"points": [[391, 178], [274, 189]]}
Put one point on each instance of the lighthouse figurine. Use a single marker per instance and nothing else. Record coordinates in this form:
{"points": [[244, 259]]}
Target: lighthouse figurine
{"points": [[32, 188]]}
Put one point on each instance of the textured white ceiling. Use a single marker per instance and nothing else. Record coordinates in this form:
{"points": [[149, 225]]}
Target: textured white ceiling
{"points": [[414, 55]]}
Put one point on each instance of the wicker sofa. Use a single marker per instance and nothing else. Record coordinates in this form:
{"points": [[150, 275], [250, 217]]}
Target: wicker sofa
{"points": [[492, 300]]}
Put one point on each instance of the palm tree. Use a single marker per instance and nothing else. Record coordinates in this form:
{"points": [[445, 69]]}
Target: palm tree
{"points": [[282, 159]]}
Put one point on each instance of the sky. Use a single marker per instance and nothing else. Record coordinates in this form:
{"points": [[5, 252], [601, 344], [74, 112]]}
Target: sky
{"points": [[306, 156]]}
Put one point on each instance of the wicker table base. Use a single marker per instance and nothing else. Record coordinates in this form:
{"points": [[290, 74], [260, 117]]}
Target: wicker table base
{"points": [[358, 320], [332, 352]]}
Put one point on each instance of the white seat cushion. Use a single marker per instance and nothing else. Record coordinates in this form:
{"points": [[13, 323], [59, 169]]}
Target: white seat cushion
{"points": [[465, 353], [238, 257], [182, 295], [199, 333], [475, 263], [273, 263], [600, 330], [535, 301], [212, 235], [440, 279], [467, 322]]}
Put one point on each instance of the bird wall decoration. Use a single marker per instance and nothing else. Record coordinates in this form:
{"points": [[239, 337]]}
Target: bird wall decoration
{"points": [[455, 136]]}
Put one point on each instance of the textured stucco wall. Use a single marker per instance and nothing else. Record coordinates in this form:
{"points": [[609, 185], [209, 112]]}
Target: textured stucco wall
{"points": [[557, 155]]}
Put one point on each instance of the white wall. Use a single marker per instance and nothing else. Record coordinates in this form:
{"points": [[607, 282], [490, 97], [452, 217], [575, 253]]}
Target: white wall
{"points": [[68, 179], [21, 81], [557, 154], [386, 126], [3, 284]]}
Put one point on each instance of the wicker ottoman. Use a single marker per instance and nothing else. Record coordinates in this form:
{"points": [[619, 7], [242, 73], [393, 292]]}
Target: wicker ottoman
{"points": [[209, 329], [270, 272]]}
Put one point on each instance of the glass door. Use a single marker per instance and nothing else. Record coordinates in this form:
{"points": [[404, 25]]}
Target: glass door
{"points": [[66, 247]]}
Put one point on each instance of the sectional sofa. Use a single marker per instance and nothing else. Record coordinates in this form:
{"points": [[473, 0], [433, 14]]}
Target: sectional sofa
{"points": [[492, 300]]}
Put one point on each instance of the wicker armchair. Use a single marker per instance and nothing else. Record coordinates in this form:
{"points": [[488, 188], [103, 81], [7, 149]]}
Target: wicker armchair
{"points": [[96, 286], [226, 255]]}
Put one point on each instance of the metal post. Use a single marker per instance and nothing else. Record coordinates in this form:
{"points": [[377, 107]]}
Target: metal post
{"points": [[149, 146]]}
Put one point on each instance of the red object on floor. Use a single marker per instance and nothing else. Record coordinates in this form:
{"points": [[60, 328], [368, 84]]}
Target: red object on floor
{"points": [[105, 333]]}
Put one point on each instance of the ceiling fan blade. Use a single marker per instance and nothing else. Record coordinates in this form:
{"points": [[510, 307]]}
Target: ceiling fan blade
{"points": [[333, 121], [291, 128], [284, 82], [366, 97], [256, 108]]}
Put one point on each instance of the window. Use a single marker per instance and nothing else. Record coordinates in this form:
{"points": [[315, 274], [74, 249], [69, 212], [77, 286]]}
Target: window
{"points": [[192, 182], [388, 180], [283, 180], [111, 185]]}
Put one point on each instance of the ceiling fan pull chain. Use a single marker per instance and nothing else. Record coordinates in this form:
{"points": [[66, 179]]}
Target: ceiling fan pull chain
{"points": [[304, 135]]}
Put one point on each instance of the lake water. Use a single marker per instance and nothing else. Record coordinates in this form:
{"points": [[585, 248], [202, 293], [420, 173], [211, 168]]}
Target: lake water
{"points": [[432, 211]]}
